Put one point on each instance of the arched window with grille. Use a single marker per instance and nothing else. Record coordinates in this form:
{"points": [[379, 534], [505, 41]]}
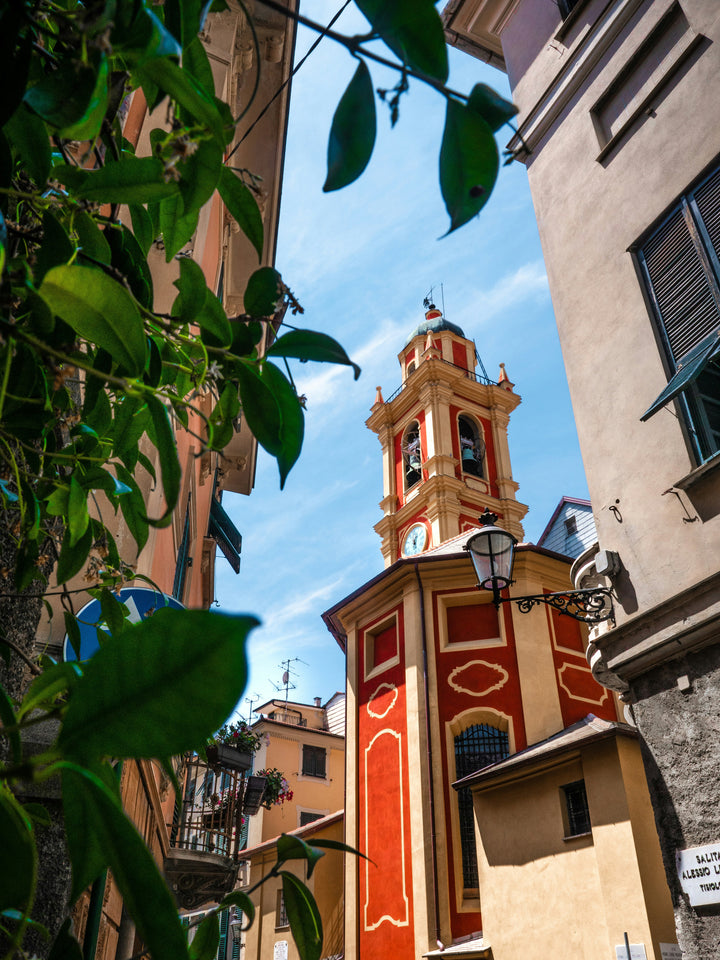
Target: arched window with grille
{"points": [[472, 447], [412, 454], [476, 747]]}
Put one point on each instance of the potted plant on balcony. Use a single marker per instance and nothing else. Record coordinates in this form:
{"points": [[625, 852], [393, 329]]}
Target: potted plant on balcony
{"points": [[233, 746], [222, 804], [277, 789]]}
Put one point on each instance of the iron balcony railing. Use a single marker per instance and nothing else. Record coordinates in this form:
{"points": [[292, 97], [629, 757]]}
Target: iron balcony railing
{"points": [[470, 374]]}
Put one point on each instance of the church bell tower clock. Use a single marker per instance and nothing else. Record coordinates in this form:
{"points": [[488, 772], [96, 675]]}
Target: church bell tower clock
{"points": [[444, 444]]}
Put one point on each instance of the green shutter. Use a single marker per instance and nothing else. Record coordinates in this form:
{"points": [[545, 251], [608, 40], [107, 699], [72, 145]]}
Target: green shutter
{"points": [[689, 369], [224, 923]]}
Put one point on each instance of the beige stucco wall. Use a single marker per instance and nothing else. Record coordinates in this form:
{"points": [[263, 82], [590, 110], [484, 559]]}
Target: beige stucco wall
{"points": [[590, 210], [574, 898]]}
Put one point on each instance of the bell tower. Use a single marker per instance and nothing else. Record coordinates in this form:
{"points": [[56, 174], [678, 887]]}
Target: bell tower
{"points": [[444, 444]]}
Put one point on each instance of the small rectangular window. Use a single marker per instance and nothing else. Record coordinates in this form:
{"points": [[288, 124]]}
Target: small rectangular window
{"points": [[306, 817], [281, 917], [313, 764], [576, 815], [570, 526]]}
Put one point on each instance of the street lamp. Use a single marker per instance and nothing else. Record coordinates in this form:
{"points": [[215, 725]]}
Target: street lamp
{"points": [[492, 551]]}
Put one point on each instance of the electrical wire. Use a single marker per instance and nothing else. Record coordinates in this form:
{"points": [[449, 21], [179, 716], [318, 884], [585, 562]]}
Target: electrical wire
{"points": [[285, 83]]}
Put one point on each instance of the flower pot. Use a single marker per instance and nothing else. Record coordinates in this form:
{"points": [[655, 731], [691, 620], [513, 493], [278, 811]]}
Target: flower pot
{"points": [[254, 793], [231, 758]]}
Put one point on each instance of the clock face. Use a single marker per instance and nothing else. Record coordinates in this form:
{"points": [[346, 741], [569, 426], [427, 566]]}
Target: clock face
{"points": [[415, 540]]}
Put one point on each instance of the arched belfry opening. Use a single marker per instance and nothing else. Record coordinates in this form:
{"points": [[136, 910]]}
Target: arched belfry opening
{"points": [[472, 447], [412, 454]]}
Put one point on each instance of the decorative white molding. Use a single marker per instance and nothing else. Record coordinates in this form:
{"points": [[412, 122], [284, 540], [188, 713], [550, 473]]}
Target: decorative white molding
{"points": [[501, 671], [378, 692]]}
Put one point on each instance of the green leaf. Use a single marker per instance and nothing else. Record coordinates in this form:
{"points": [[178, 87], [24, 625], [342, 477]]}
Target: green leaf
{"points": [[243, 207], [73, 556], [133, 698], [144, 892], [88, 126], [176, 227], [133, 508], [337, 845], [72, 629], [129, 259], [182, 88], [18, 847], [192, 288], [142, 36], [494, 110], [38, 813], [29, 139], [131, 180], [213, 322], [303, 915], [163, 437], [262, 293], [55, 249], [239, 899], [353, 130], [310, 345], [64, 96], [142, 226], [222, 416], [7, 715], [469, 163], [199, 175], [414, 32], [294, 848], [99, 309], [78, 516], [113, 611], [52, 682], [195, 62], [273, 413], [207, 939], [3, 243], [90, 237], [65, 946]]}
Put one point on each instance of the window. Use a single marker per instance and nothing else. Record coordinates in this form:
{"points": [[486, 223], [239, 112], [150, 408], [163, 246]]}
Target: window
{"points": [[576, 815], [682, 271], [281, 917], [476, 747], [570, 526], [306, 817], [566, 7], [472, 447], [313, 761], [412, 454]]}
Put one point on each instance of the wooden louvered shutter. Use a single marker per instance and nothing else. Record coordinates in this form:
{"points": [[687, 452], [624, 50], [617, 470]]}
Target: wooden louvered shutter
{"points": [[224, 924], [680, 284]]}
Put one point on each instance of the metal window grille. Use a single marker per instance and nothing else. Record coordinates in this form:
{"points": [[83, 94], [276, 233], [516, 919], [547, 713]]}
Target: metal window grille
{"points": [[313, 761], [307, 817], [475, 748], [576, 806], [281, 917]]}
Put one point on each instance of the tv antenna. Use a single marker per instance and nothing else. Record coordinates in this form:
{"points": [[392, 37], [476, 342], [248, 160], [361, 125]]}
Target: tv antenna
{"points": [[252, 701], [288, 673]]}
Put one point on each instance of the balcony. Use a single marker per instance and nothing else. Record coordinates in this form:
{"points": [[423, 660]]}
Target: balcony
{"points": [[209, 828]]}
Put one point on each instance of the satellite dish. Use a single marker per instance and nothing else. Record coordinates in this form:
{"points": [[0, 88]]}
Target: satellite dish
{"points": [[286, 677]]}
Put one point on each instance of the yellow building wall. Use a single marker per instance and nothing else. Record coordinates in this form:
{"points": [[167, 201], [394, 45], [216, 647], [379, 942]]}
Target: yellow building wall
{"points": [[574, 899], [326, 884]]}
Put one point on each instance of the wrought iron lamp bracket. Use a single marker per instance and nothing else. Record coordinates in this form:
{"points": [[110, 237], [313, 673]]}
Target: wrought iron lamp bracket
{"points": [[590, 606]]}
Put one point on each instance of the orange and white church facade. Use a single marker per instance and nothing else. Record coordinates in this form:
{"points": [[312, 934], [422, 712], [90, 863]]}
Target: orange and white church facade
{"points": [[441, 685]]}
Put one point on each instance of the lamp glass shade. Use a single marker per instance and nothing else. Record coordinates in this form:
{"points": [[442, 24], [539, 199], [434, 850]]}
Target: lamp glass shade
{"points": [[492, 551]]}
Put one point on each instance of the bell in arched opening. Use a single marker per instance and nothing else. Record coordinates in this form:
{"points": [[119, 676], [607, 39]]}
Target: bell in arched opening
{"points": [[412, 454], [472, 447]]}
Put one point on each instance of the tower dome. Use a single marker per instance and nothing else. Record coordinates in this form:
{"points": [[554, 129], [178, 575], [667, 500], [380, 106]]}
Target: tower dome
{"points": [[434, 322]]}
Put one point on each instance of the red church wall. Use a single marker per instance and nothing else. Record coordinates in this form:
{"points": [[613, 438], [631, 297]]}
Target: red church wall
{"points": [[385, 908], [578, 691], [459, 354], [483, 677]]}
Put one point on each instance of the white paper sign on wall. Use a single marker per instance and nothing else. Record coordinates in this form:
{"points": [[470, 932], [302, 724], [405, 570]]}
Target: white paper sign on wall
{"points": [[699, 872], [281, 950], [637, 952], [670, 951]]}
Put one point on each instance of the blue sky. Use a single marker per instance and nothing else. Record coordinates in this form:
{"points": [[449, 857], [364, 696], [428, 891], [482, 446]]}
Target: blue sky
{"points": [[360, 261]]}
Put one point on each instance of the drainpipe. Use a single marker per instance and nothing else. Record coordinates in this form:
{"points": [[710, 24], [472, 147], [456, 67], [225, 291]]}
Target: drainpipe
{"points": [[428, 741]]}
